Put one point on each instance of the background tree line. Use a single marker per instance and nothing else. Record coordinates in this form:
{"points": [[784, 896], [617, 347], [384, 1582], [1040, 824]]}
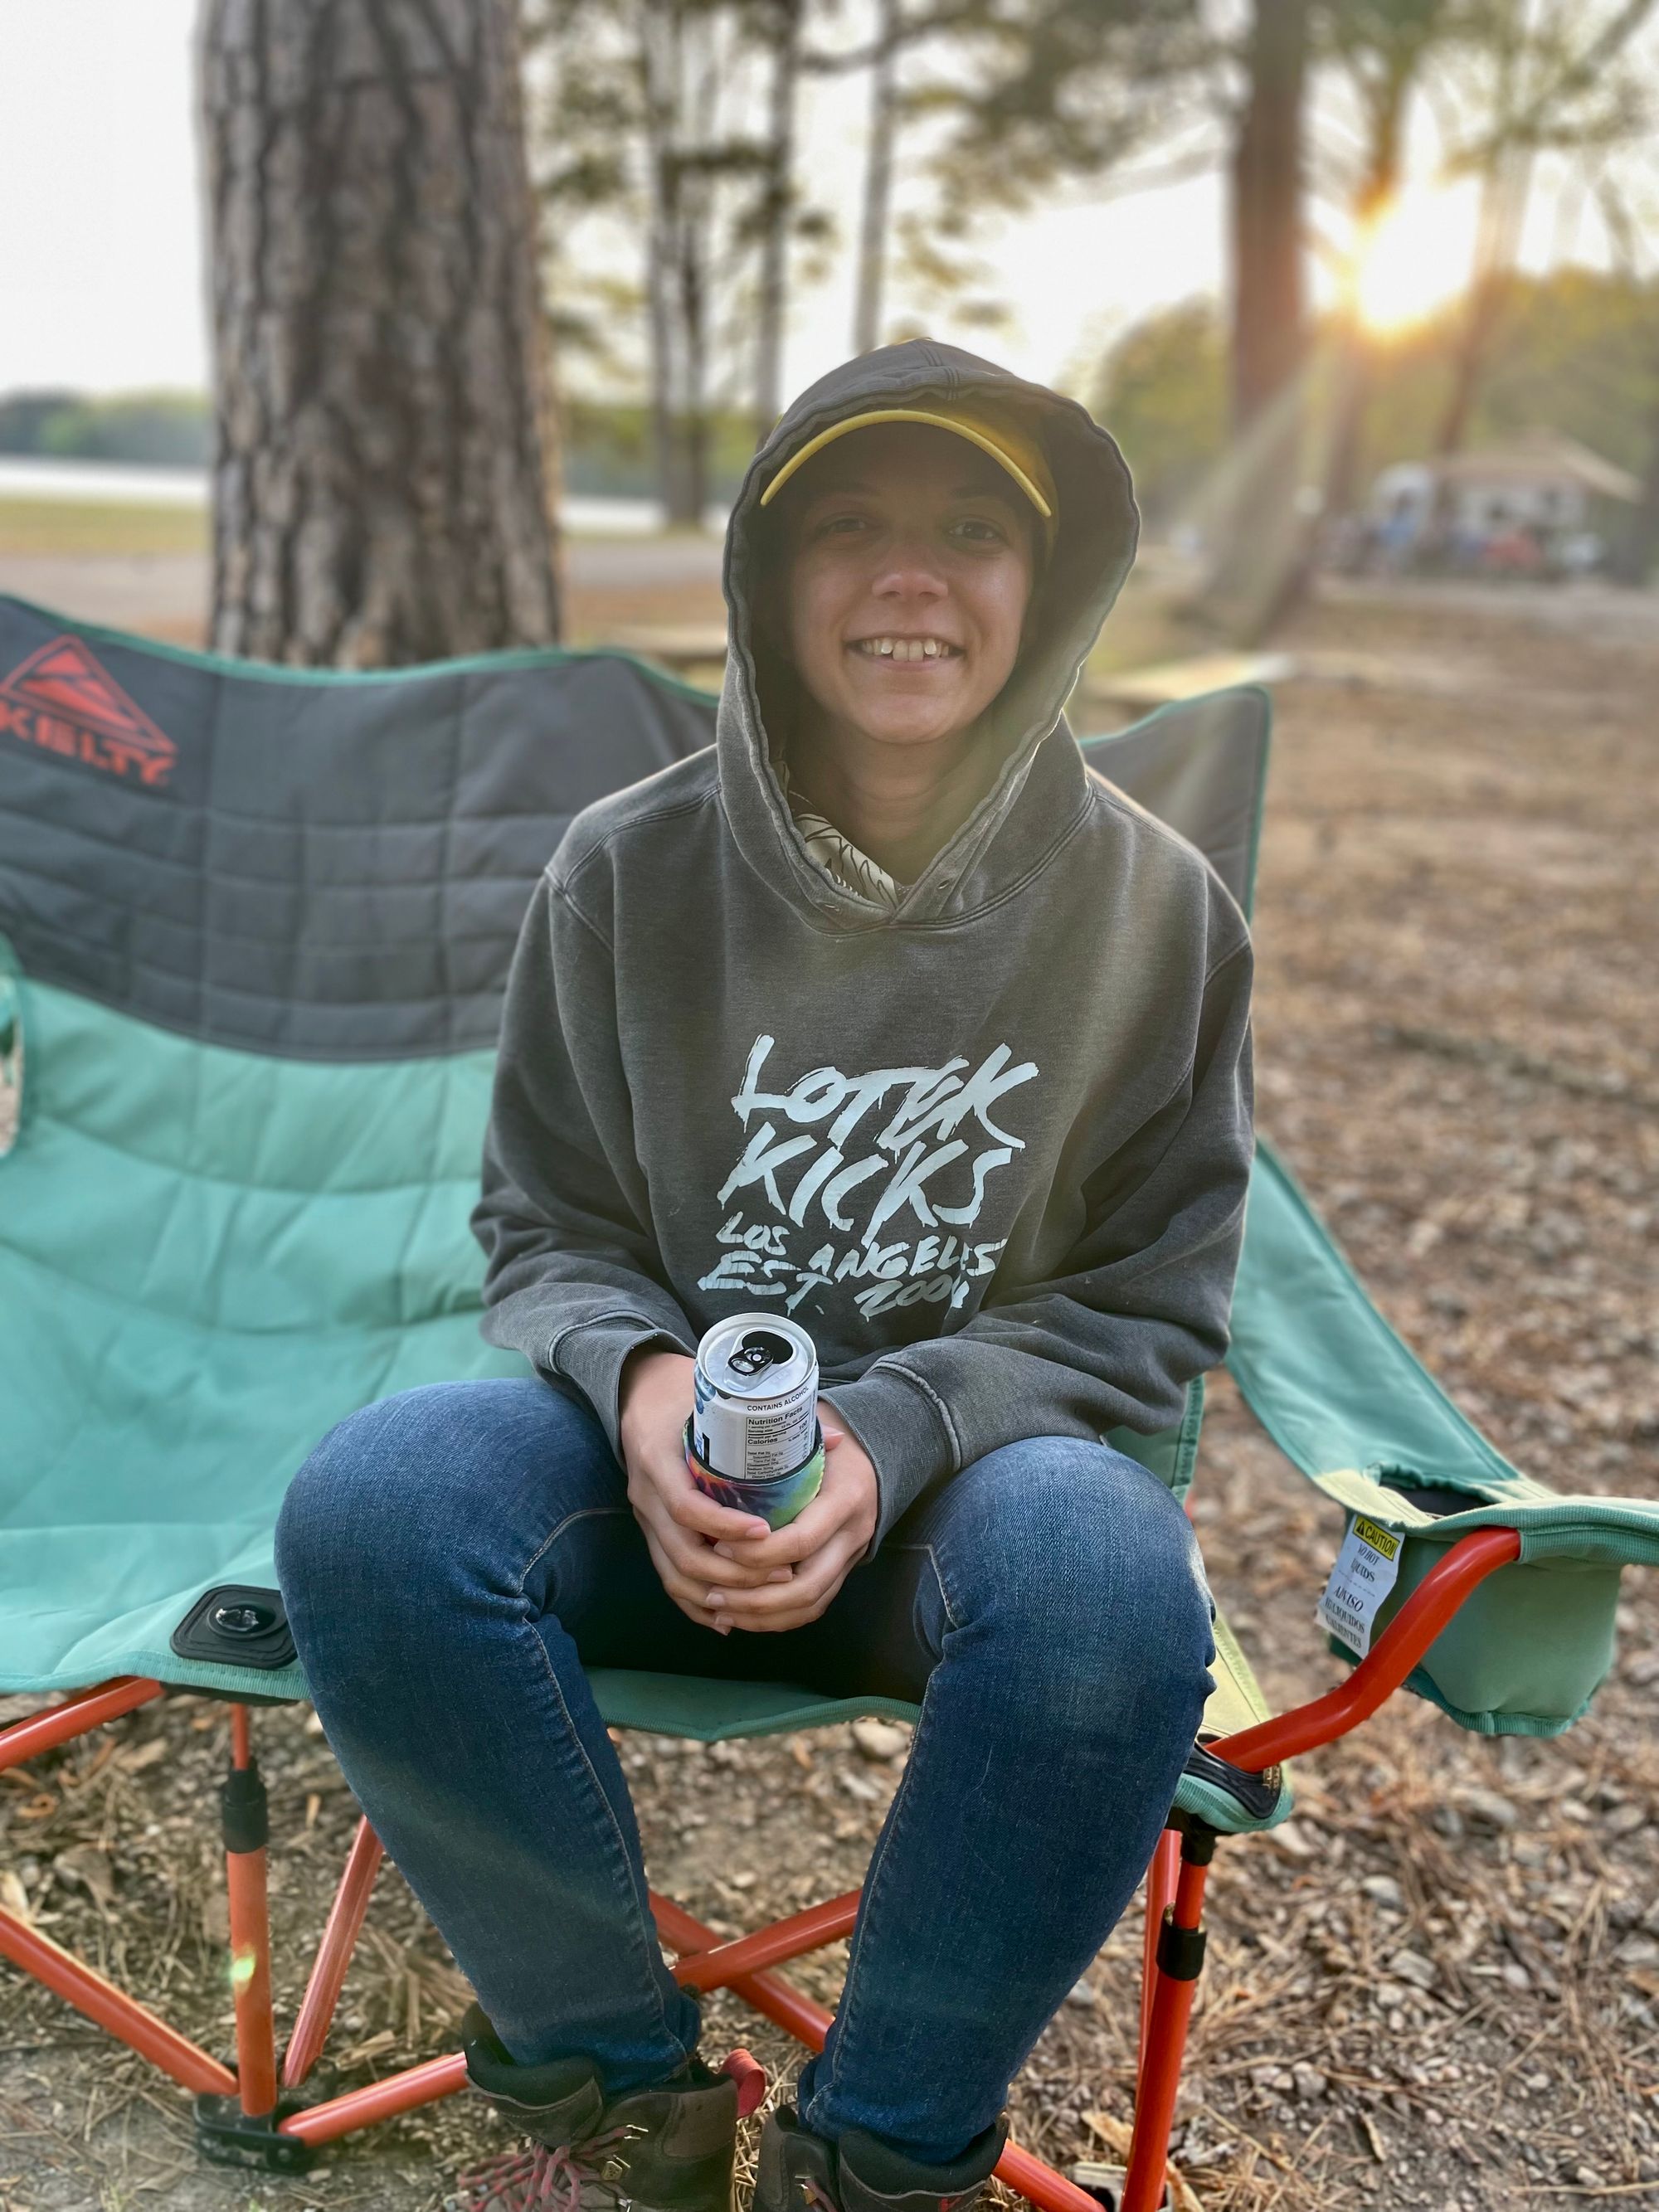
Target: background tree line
{"points": [[610, 198], [1578, 355]]}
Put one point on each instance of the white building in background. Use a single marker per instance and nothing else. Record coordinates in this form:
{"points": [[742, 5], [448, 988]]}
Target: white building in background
{"points": [[1541, 482]]}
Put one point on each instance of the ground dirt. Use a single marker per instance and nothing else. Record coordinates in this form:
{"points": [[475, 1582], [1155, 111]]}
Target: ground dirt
{"points": [[1439, 1985]]}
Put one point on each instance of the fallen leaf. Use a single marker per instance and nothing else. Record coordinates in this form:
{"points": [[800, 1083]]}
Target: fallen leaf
{"points": [[138, 1756], [86, 1864], [370, 2048]]}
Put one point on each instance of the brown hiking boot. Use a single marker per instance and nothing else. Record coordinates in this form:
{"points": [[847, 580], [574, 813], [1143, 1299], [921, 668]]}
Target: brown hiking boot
{"points": [[860, 2173], [668, 2146]]}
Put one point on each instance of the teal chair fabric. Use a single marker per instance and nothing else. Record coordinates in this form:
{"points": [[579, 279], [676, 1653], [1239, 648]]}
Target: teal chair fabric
{"points": [[259, 925]]}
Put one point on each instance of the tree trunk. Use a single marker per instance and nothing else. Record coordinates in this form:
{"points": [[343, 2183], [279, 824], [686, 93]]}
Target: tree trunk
{"points": [[775, 231], [693, 416], [1351, 382], [662, 62], [877, 181], [1637, 550], [1260, 557], [1504, 205], [1269, 331], [383, 427]]}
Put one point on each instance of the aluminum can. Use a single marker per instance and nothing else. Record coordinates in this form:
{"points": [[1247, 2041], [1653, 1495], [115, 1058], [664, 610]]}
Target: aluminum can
{"points": [[754, 1398]]}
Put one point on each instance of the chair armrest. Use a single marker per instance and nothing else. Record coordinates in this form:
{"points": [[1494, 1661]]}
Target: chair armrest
{"points": [[1378, 1675]]}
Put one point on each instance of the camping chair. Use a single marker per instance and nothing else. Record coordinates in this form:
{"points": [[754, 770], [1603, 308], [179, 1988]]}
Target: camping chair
{"points": [[260, 920]]}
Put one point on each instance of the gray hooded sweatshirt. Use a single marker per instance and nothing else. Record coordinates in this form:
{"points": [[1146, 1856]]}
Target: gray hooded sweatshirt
{"points": [[990, 1147]]}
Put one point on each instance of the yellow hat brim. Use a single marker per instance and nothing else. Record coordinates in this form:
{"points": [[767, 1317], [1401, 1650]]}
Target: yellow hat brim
{"points": [[963, 428]]}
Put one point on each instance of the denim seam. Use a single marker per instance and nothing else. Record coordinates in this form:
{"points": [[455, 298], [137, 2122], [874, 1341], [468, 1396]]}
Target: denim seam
{"points": [[574, 1736], [850, 1986], [872, 1877], [938, 1576], [582, 1513]]}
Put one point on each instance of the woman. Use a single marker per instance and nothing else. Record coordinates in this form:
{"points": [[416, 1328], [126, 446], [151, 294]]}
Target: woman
{"points": [[886, 1014]]}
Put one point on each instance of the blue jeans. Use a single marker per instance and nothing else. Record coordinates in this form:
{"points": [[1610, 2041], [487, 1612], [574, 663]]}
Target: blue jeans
{"points": [[453, 1559]]}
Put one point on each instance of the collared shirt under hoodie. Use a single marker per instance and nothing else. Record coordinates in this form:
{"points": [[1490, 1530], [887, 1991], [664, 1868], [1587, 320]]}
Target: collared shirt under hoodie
{"points": [[836, 853], [988, 1143]]}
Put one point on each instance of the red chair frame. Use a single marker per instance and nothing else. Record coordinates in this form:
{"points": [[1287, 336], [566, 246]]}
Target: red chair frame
{"points": [[251, 2115]]}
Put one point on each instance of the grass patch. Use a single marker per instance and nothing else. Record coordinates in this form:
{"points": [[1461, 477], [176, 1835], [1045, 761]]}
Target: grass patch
{"points": [[40, 526]]}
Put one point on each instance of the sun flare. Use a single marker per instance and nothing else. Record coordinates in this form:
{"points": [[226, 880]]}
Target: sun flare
{"points": [[1416, 258]]}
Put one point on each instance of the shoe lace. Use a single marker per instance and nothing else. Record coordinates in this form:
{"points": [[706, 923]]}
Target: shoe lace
{"points": [[547, 2175]]}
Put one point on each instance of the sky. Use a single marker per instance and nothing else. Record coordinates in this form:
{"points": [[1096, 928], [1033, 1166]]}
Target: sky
{"points": [[100, 229]]}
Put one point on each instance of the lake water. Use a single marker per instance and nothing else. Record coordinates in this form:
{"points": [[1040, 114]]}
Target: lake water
{"points": [[25, 477]]}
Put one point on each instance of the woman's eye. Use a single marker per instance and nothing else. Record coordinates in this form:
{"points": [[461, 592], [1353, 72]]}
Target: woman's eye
{"points": [[980, 532], [842, 525]]}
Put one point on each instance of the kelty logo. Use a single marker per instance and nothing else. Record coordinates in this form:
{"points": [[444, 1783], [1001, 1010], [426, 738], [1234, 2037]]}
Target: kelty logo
{"points": [[61, 701]]}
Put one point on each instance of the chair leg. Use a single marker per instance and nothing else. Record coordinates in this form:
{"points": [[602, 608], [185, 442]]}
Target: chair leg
{"points": [[334, 1953], [86, 1990], [1160, 1896], [1178, 1960], [247, 1830]]}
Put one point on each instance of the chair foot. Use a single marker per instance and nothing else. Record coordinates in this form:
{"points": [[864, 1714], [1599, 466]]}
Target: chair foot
{"points": [[229, 2136]]}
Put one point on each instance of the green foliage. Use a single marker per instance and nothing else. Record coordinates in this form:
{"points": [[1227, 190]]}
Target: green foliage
{"points": [[170, 430], [608, 452], [1044, 91], [1577, 352], [1162, 392]]}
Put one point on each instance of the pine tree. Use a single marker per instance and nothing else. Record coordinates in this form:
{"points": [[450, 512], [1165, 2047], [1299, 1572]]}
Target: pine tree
{"points": [[383, 432]]}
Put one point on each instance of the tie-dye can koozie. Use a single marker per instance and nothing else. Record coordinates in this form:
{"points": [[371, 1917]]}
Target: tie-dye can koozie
{"points": [[753, 1440]]}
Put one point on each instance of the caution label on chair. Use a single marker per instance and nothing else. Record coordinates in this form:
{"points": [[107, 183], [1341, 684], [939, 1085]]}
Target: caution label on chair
{"points": [[1363, 1576]]}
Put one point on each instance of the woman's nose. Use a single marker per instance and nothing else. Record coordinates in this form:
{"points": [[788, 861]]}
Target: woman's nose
{"points": [[911, 571]]}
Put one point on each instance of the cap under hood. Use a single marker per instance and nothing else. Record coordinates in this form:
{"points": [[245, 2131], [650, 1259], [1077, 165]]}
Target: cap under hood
{"points": [[1093, 548]]}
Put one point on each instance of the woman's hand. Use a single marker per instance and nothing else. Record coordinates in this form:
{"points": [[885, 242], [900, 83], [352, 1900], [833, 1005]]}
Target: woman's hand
{"points": [[815, 1551], [682, 1526]]}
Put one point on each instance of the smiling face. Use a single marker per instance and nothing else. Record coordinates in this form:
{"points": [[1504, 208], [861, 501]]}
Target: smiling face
{"points": [[910, 563]]}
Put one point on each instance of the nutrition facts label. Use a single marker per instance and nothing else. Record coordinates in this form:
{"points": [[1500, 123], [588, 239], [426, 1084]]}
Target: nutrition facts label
{"points": [[753, 1443]]}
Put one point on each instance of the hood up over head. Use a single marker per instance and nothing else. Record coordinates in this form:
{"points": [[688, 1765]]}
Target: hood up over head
{"points": [[1091, 544]]}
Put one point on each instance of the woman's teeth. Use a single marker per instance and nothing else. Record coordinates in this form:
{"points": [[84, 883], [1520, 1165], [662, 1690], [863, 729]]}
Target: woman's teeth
{"points": [[906, 648]]}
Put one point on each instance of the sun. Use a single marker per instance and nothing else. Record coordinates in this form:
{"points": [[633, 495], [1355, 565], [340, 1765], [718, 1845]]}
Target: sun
{"points": [[1417, 257]]}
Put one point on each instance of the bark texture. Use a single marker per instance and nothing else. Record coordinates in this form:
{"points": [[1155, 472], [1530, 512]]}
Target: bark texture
{"points": [[383, 432], [1269, 326], [878, 180], [1638, 548], [775, 211]]}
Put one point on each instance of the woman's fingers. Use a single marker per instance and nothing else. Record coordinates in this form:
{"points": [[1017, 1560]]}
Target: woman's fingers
{"points": [[683, 1502], [695, 1558], [810, 1530], [693, 1509], [778, 1623], [689, 1593], [810, 1586], [682, 1592]]}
